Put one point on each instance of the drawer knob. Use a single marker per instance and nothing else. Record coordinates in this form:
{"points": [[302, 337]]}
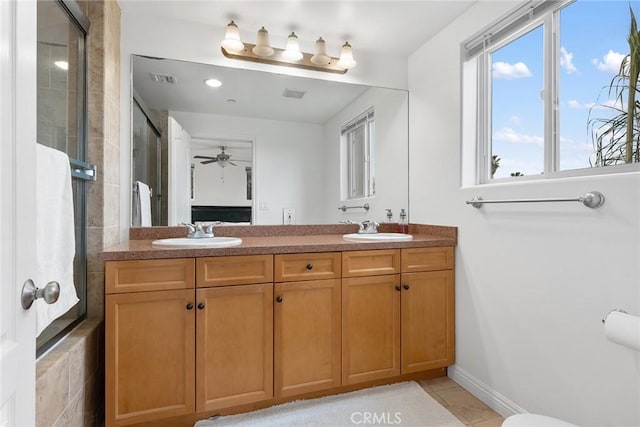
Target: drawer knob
{"points": [[406, 287], [189, 306], [279, 298], [201, 306], [309, 266], [398, 288]]}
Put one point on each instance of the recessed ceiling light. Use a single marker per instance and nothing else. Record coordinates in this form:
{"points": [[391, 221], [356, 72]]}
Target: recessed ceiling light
{"points": [[213, 82], [63, 65]]}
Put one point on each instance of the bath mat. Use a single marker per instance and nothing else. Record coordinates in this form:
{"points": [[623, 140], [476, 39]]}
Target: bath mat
{"points": [[404, 404]]}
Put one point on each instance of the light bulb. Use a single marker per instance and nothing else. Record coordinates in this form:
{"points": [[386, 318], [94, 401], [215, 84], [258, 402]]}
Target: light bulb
{"points": [[321, 57], [262, 47], [346, 57], [231, 42], [292, 52]]}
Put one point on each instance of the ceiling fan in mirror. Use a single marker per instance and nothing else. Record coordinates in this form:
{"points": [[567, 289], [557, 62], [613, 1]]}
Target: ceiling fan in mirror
{"points": [[222, 159]]}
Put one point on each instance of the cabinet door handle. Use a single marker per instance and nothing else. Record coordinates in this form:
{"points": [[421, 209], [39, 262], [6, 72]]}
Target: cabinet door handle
{"points": [[309, 266], [406, 287], [189, 306], [279, 298], [201, 306], [398, 288]]}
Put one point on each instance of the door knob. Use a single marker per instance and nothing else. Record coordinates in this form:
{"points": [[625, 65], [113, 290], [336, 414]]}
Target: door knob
{"points": [[30, 293]]}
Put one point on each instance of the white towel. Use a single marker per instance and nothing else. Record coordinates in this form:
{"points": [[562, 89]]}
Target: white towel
{"points": [[144, 200], [55, 233]]}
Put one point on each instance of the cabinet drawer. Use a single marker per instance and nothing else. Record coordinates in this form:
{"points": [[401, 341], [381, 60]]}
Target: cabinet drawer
{"points": [[370, 263], [294, 267], [234, 270], [427, 259], [149, 275]]}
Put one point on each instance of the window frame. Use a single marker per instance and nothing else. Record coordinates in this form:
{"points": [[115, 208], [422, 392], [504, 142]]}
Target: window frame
{"points": [[509, 28]]}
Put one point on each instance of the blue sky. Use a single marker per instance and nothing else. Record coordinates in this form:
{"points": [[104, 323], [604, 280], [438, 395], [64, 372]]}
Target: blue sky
{"points": [[593, 42]]}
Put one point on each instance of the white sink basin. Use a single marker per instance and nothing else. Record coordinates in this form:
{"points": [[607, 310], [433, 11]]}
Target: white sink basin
{"points": [[204, 242], [378, 237]]}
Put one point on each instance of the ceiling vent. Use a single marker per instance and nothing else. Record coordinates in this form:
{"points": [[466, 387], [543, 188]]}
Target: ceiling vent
{"points": [[290, 93], [163, 78]]}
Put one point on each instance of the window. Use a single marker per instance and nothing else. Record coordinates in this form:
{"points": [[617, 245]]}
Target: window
{"points": [[358, 142], [549, 92]]}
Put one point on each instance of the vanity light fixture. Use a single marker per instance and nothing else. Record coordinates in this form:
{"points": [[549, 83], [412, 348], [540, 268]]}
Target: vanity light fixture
{"points": [[291, 56]]}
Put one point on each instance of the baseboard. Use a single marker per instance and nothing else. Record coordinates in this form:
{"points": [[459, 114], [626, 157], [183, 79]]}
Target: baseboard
{"points": [[482, 391]]}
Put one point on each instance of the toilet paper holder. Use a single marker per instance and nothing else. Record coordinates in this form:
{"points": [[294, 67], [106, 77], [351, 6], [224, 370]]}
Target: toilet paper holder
{"points": [[619, 310]]}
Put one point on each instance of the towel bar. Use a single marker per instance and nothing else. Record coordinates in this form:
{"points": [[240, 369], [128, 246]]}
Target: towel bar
{"points": [[83, 170], [344, 208], [592, 199]]}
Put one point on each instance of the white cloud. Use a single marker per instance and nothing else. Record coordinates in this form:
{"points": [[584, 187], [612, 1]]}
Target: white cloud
{"points": [[611, 62], [615, 103], [579, 106], [566, 61], [611, 103], [504, 70], [515, 120], [513, 137]]}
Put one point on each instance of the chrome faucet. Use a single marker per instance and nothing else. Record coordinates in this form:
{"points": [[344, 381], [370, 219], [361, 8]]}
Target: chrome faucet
{"points": [[196, 231], [368, 227]]}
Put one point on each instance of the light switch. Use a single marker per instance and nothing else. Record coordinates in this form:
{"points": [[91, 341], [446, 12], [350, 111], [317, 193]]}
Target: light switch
{"points": [[288, 216]]}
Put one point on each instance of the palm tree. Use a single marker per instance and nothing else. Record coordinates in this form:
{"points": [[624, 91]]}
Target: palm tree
{"points": [[617, 139], [495, 164]]}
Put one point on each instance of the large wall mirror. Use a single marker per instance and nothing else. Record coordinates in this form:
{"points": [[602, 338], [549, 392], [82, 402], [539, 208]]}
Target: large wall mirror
{"points": [[263, 148]]}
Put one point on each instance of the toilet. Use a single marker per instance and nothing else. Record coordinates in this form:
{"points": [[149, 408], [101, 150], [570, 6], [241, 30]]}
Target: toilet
{"points": [[533, 420]]}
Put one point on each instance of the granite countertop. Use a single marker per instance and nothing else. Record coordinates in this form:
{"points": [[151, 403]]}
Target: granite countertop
{"points": [[257, 240]]}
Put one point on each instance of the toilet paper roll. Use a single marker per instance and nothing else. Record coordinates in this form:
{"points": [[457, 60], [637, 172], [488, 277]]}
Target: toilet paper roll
{"points": [[624, 329]]}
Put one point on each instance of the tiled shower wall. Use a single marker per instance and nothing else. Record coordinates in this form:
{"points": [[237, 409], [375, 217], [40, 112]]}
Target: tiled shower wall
{"points": [[70, 377]]}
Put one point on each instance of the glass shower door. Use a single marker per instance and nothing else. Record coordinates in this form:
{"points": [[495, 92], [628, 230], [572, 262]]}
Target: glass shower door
{"points": [[61, 124], [147, 162]]}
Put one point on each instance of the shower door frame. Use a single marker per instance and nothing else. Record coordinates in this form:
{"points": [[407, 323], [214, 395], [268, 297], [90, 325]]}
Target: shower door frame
{"points": [[82, 174]]}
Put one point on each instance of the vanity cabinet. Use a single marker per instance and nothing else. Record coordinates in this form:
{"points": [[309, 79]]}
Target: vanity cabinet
{"points": [[195, 337], [427, 309], [175, 352], [400, 318], [307, 323], [234, 347], [150, 340], [370, 315]]}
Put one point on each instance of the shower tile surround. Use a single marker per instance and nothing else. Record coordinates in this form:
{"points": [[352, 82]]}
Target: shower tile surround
{"points": [[70, 377]]}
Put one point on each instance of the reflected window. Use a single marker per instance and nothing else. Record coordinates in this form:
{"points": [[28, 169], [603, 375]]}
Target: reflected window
{"points": [[358, 146]]}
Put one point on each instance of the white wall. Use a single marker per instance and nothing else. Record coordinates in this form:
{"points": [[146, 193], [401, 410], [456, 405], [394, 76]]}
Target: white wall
{"points": [[391, 157], [288, 162], [145, 34], [533, 281]]}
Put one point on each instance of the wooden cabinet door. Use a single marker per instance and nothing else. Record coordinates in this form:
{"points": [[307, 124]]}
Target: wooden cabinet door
{"points": [[150, 341], [427, 321], [370, 328], [234, 345], [307, 336]]}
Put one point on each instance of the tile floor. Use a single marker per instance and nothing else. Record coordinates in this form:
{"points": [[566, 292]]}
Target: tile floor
{"points": [[466, 407]]}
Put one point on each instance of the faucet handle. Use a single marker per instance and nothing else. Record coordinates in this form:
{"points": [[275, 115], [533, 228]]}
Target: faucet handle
{"points": [[209, 230], [192, 228]]}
